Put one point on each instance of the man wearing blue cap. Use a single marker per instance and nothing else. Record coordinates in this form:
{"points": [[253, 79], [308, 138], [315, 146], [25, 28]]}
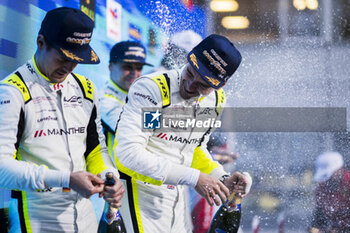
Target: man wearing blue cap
{"points": [[127, 59], [51, 140], [159, 159]]}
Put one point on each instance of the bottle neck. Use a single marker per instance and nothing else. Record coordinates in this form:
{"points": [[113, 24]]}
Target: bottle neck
{"points": [[109, 208], [233, 203]]}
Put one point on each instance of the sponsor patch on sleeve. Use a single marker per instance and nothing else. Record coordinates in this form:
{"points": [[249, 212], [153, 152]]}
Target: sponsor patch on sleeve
{"points": [[146, 97], [2, 102]]}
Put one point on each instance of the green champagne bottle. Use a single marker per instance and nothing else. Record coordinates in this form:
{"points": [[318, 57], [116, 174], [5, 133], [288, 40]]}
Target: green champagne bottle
{"points": [[228, 217], [111, 220]]}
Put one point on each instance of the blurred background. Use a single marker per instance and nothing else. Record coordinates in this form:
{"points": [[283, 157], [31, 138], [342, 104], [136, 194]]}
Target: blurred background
{"points": [[295, 54]]}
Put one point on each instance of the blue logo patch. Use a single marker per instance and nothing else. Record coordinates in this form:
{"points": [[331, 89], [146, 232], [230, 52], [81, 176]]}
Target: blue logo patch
{"points": [[152, 119]]}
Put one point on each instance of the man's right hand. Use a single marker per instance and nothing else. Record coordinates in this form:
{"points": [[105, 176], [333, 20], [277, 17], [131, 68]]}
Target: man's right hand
{"points": [[211, 188], [86, 183], [239, 183], [113, 194]]}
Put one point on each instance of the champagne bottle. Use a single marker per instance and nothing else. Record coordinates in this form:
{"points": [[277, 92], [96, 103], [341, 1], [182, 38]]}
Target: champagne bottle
{"points": [[228, 217], [111, 220]]}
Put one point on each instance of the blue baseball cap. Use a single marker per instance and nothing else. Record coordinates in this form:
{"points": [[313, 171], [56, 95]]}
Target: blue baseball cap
{"points": [[129, 52], [69, 31], [216, 59]]}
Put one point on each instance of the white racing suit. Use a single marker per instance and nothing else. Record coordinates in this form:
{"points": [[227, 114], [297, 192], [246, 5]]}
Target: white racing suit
{"points": [[156, 164], [48, 131], [112, 102]]}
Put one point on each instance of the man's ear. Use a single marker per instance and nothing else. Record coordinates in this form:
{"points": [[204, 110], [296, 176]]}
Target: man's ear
{"points": [[110, 66], [40, 42]]}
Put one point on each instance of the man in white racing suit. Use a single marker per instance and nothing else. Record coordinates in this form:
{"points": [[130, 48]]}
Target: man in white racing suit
{"points": [[52, 148], [160, 160], [127, 59]]}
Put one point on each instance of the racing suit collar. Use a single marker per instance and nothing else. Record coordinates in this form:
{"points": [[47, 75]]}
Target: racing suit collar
{"points": [[38, 71], [41, 74], [195, 99], [114, 85], [45, 80]]}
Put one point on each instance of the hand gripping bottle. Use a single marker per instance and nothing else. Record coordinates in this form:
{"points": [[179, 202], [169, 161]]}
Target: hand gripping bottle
{"points": [[228, 217], [111, 220]]}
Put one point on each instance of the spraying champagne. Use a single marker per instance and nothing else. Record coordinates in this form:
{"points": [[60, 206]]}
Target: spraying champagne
{"points": [[228, 217]]}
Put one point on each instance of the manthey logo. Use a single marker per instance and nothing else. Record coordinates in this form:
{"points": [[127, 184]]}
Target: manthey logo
{"points": [[179, 139], [49, 132], [39, 133], [162, 136]]}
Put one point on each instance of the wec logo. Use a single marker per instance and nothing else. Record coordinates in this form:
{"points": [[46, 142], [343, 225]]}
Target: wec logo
{"points": [[73, 99]]}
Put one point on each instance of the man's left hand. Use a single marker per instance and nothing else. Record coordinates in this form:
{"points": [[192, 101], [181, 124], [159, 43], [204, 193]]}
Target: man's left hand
{"points": [[113, 194]]}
